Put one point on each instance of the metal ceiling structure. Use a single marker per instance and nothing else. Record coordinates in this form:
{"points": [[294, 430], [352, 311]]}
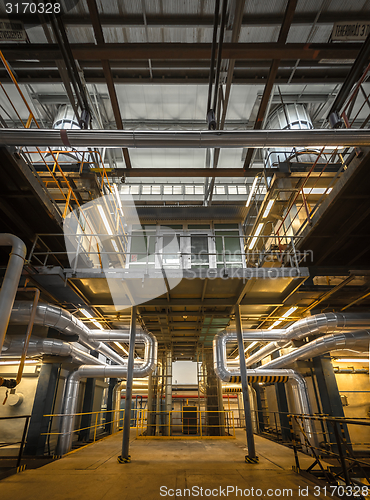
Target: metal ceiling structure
{"points": [[141, 79]]}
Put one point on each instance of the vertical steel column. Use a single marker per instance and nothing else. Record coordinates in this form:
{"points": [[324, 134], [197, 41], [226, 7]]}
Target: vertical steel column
{"points": [[245, 390], [125, 457], [168, 395]]}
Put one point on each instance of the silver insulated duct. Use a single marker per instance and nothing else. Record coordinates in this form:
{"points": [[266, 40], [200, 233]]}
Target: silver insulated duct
{"points": [[306, 327], [64, 322], [321, 346], [73, 382]]}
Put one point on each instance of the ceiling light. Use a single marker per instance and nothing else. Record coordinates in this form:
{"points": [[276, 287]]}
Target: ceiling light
{"points": [[352, 360], [27, 362], [118, 197], [268, 208], [105, 220], [275, 324], [251, 346], [90, 316], [97, 324], [86, 313], [114, 244], [317, 190], [254, 239], [251, 191], [121, 347], [290, 311]]}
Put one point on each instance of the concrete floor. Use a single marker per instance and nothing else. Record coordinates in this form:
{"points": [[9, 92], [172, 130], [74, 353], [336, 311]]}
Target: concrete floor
{"points": [[93, 472]]}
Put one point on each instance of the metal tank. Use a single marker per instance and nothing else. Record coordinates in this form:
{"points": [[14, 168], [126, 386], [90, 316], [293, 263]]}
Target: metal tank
{"points": [[289, 117]]}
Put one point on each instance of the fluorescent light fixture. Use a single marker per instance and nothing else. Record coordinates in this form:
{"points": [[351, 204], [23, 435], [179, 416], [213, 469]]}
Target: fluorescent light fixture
{"points": [[118, 198], [105, 220], [121, 347], [114, 244], [97, 324], [285, 315], [254, 239], [317, 190], [253, 344], [290, 311], [90, 316], [27, 362], [251, 191], [268, 208], [86, 313], [352, 360], [275, 324]]}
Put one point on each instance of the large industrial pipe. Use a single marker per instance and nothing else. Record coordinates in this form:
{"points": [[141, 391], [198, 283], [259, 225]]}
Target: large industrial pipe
{"points": [[72, 387], [54, 347], [184, 139], [320, 346], [11, 279], [64, 322], [306, 327]]}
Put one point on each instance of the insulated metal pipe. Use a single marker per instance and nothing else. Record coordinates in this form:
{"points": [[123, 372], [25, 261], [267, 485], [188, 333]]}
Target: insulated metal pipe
{"points": [[107, 371], [11, 279], [63, 321], [321, 346], [306, 327], [54, 347], [184, 139]]}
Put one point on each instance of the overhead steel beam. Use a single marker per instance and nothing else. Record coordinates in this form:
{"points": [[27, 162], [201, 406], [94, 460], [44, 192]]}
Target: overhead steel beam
{"points": [[239, 9], [99, 37], [264, 104], [191, 51], [353, 76], [185, 139], [200, 21]]}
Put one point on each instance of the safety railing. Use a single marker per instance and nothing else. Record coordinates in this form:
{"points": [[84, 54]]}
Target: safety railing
{"points": [[48, 160], [100, 422], [252, 251], [202, 424], [5, 446], [273, 424], [342, 466]]}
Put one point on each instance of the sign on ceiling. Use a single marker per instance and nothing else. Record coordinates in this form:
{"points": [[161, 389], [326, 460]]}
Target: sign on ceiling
{"points": [[12, 31], [350, 31]]}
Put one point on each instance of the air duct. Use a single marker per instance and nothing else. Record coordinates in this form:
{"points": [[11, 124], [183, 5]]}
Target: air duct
{"points": [[64, 322], [321, 346], [54, 347], [11, 279], [313, 325], [72, 386]]}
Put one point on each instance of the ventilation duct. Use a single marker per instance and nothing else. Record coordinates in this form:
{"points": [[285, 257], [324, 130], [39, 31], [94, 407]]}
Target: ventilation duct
{"points": [[72, 387], [11, 279], [321, 346], [63, 321], [53, 347], [307, 327]]}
